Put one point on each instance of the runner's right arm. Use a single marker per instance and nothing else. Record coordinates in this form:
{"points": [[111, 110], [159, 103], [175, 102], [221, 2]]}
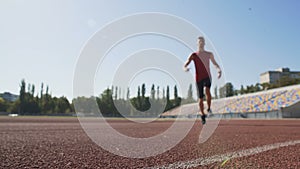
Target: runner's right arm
{"points": [[185, 67]]}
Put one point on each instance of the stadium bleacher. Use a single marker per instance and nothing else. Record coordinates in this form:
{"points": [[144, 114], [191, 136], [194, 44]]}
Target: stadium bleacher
{"points": [[263, 101]]}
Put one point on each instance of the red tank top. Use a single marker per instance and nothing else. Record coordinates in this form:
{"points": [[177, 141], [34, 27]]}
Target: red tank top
{"points": [[201, 61]]}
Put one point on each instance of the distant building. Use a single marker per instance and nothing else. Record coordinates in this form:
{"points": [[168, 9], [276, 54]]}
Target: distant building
{"points": [[272, 76], [9, 96]]}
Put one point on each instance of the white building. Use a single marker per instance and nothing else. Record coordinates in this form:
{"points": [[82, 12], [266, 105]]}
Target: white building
{"points": [[272, 76]]}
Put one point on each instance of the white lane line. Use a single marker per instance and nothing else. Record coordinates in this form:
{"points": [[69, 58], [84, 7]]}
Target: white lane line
{"points": [[222, 157]]}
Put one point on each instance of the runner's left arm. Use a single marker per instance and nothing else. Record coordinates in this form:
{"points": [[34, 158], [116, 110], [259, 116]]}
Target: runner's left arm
{"points": [[212, 58]]}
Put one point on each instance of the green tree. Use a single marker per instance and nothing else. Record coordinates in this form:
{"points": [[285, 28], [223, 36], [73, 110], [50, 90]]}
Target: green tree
{"points": [[177, 100], [143, 90], [242, 91], [286, 81], [227, 90], [83, 105], [14, 107], [47, 104], [190, 92], [153, 92], [216, 92], [257, 87], [139, 92], [120, 95], [62, 105], [253, 88], [107, 104], [157, 92], [29, 87], [3, 105], [22, 96], [175, 92], [168, 94], [47, 90], [128, 94], [265, 86], [112, 90], [42, 90], [189, 98], [116, 93], [168, 104], [28, 103], [32, 90]]}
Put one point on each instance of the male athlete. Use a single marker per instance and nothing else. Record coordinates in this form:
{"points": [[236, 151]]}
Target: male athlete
{"points": [[201, 60]]}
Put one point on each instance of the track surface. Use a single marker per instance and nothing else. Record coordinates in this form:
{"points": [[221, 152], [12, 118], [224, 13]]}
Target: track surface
{"points": [[43, 142]]}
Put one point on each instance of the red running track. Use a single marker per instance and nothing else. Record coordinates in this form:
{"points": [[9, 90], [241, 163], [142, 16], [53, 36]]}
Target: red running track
{"points": [[44, 142]]}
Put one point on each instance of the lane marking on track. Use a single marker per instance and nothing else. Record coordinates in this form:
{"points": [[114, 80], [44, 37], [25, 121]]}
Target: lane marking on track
{"points": [[227, 156]]}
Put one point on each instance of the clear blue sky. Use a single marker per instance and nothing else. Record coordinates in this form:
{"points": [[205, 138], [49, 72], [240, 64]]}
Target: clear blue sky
{"points": [[40, 41]]}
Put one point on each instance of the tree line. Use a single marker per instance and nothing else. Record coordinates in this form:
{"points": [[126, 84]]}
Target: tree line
{"points": [[109, 102], [30, 103], [228, 89]]}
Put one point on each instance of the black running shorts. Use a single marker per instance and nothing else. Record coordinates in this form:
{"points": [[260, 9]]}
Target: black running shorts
{"points": [[200, 85]]}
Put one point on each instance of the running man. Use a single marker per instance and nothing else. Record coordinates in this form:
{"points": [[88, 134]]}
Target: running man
{"points": [[201, 60]]}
